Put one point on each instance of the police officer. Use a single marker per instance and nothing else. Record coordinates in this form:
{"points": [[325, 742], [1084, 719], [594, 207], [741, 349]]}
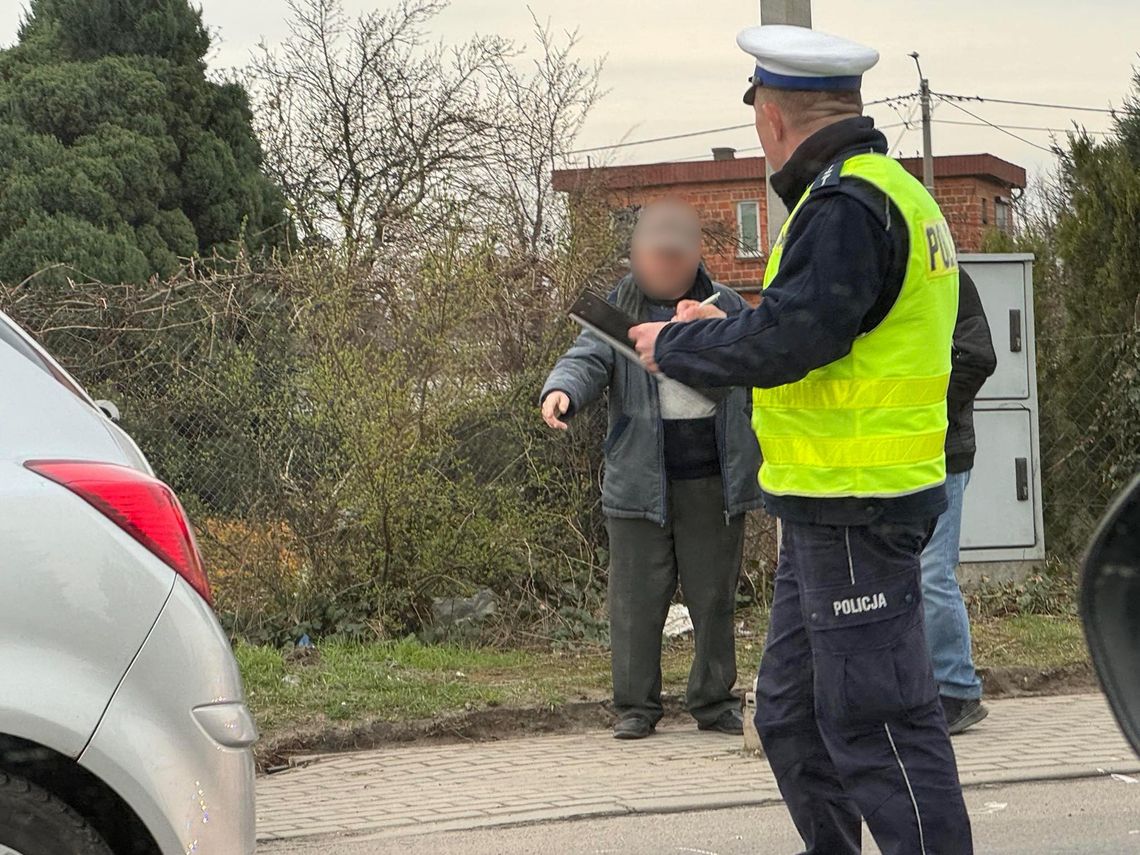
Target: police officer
{"points": [[849, 354]]}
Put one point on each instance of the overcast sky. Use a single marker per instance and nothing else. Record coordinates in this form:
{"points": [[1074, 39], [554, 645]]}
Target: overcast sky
{"points": [[672, 66]]}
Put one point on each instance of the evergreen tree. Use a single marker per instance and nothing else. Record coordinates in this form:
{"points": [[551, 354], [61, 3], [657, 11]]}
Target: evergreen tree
{"points": [[1087, 282], [118, 155]]}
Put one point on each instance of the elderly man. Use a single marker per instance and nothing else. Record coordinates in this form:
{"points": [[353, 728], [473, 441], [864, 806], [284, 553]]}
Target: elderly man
{"points": [[677, 484], [850, 356]]}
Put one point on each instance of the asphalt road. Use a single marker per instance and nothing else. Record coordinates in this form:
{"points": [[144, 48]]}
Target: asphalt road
{"points": [[1072, 817]]}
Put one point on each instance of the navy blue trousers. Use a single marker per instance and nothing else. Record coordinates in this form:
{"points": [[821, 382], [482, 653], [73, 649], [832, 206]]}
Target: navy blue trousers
{"points": [[846, 703]]}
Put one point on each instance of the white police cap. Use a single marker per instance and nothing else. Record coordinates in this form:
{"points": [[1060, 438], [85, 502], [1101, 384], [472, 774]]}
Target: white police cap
{"points": [[798, 58]]}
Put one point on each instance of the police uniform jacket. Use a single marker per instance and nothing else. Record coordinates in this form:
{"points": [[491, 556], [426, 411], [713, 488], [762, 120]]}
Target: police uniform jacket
{"points": [[843, 266]]}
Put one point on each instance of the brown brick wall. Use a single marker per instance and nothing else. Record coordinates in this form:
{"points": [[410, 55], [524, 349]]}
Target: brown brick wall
{"points": [[968, 204], [961, 199], [716, 202]]}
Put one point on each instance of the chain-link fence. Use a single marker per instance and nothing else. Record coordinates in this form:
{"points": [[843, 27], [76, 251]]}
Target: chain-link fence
{"points": [[336, 488], [1090, 432], [1089, 393], [338, 485], [344, 464]]}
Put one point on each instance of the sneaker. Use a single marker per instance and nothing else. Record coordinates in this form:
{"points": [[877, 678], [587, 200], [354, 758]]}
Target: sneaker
{"points": [[633, 727], [729, 721], [962, 714]]}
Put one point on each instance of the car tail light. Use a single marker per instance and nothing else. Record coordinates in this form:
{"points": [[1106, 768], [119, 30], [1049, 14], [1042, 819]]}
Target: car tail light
{"points": [[142, 506]]}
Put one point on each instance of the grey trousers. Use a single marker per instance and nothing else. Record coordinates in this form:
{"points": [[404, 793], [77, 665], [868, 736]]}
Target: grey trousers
{"points": [[697, 548]]}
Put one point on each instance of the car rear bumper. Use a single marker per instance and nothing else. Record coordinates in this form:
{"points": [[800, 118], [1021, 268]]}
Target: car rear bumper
{"points": [[175, 740]]}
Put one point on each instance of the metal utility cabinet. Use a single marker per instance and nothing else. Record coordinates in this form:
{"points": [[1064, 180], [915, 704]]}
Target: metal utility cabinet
{"points": [[1002, 524]]}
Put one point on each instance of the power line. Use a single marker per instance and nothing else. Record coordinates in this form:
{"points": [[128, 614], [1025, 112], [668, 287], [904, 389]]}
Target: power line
{"points": [[906, 128], [705, 155], [1018, 127], [690, 134], [957, 106], [893, 99], [893, 103], [661, 139], [903, 120], [906, 122], [983, 99]]}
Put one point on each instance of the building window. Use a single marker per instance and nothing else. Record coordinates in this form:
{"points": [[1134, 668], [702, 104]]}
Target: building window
{"points": [[748, 229], [985, 211], [1001, 214]]}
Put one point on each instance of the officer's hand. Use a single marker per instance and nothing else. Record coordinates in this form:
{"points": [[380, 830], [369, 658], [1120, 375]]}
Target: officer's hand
{"points": [[554, 405], [644, 338], [691, 310]]}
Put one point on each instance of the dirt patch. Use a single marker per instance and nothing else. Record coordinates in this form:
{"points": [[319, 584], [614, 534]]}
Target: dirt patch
{"points": [[280, 751], [482, 725], [1013, 682]]}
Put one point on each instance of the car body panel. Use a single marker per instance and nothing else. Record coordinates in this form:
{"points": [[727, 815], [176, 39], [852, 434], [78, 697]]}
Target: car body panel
{"points": [[44, 412], [132, 454], [192, 793], [105, 651], [42, 417], [78, 596]]}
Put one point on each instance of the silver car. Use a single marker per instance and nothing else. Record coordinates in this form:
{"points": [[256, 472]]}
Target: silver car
{"points": [[122, 723]]}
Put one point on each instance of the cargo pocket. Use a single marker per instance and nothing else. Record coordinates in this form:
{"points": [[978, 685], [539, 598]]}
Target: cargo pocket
{"points": [[869, 650]]}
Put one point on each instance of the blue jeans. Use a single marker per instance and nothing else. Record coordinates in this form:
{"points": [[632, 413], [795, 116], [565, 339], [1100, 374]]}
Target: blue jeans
{"points": [[947, 626]]}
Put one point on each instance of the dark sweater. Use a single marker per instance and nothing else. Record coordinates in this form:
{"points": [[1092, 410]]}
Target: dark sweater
{"points": [[843, 265], [690, 444]]}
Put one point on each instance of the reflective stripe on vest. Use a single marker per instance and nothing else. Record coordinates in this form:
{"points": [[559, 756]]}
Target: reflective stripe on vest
{"points": [[872, 423]]}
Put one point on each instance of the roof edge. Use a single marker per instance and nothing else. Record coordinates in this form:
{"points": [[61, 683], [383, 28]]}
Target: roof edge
{"points": [[666, 173]]}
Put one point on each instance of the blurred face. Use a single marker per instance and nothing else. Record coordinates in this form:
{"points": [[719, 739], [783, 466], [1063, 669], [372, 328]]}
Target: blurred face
{"points": [[664, 274], [666, 249]]}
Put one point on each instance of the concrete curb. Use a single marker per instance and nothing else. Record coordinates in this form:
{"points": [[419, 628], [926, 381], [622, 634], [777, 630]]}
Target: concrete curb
{"points": [[303, 745], [430, 788], [649, 807]]}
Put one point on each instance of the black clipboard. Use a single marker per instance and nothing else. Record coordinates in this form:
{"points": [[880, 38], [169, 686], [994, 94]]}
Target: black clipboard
{"points": [[606, 321], [612, 325]]}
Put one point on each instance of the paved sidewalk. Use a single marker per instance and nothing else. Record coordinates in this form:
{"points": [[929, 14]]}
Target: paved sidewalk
{"points": [[412, 790]]}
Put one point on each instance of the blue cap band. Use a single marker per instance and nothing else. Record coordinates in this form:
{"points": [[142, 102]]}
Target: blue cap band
{"points": [[822, 84]]}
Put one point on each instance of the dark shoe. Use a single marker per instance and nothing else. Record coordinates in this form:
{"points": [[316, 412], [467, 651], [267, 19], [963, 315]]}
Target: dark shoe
{"points": [[729, 721], [962, 714], [633, 727]]}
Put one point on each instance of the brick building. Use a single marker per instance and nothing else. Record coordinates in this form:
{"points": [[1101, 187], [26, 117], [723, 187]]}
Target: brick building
{"points": [[975, 192]]}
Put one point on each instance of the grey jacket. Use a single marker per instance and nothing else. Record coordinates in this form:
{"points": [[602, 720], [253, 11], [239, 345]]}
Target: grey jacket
{"points": [[635, 483]]}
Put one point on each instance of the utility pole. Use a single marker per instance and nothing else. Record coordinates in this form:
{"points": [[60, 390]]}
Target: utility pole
{"points": [[927, 149], [796, 13]]}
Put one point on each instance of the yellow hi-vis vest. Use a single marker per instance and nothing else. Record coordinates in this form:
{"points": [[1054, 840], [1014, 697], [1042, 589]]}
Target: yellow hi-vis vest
{"points": [[873, 423]]}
